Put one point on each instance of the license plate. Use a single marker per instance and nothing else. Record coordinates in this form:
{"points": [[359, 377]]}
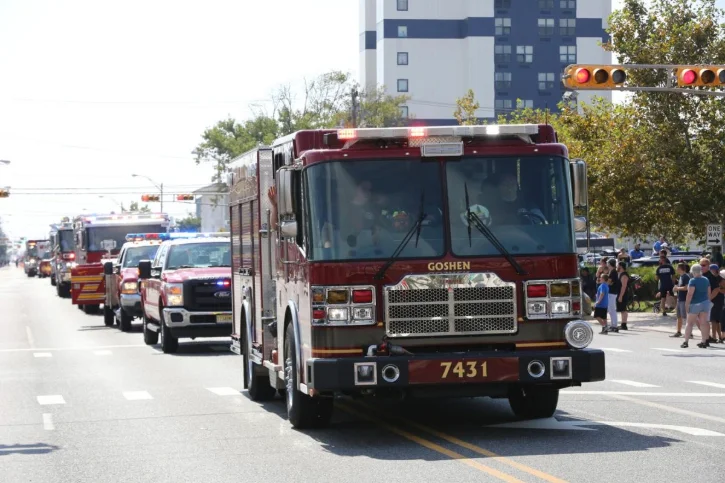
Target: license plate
{"points": [[461, 371], [224, 318]]}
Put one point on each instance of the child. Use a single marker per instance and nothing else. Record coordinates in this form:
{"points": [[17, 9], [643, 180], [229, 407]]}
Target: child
{"points": [[602, 304]]}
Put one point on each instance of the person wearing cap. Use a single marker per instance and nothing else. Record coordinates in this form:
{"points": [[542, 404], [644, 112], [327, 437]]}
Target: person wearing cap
{"points": [[717, 297], [636, 253], [665, 276]]}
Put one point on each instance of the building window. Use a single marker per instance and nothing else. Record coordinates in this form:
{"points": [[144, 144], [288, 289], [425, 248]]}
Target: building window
{"points": [[402, 58], [524, 54], [404, 112], [503, 104], [567, 4], [502, 4], [567, 54], [502, 54], [402, 5], [524, 103], [546, 81], [503, 26], [546, 26], [567, 26], [402, 85], [502, 80], [402, 31], [546, 4]]}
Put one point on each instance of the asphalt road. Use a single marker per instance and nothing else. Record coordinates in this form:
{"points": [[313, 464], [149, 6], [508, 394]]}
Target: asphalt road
{"points": [[80, 402]]}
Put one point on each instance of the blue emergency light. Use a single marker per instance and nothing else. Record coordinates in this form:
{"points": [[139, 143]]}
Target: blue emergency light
{"points": [[173, 236]]}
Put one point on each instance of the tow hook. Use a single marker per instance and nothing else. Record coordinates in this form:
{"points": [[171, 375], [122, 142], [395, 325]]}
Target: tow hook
{"points": [[386, 349]]}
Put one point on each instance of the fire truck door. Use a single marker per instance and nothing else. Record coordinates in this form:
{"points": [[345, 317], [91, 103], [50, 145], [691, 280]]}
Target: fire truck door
{"points": [[87, 285]]}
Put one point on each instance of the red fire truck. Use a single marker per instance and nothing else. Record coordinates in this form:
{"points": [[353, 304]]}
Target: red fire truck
{"points": [[415, 261], [98, 238], [63, 257]]}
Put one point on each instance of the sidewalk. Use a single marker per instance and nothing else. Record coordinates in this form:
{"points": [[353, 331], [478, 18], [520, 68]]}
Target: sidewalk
{"points": [[650, 321]]}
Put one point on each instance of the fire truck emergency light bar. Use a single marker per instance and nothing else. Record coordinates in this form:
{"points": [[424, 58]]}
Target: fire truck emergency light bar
{"points": [[129, 218], [173, 236]]}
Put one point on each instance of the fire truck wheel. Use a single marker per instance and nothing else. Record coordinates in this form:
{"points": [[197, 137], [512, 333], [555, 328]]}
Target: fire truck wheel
{"points": [[125, 323], [52, 280], [257, 386], [108, 317], [303, 411], [169, 343], [149, 336], [91, 309], [534, 402]]}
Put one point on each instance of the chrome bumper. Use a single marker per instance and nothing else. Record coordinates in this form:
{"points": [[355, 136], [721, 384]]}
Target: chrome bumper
{"points": [[173, 313], [131, 303], [63, 276]]}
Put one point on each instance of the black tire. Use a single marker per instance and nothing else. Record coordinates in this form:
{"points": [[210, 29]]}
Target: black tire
{"points": [[125, 322], [534, 402], [91, 309], [52, 281], [257, 386], [303, 411], [149, 336], [169, 343], [109, 317]]}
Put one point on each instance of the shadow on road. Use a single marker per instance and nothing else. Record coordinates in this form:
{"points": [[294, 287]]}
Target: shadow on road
{"points": [[199, 349], [37, 448]]}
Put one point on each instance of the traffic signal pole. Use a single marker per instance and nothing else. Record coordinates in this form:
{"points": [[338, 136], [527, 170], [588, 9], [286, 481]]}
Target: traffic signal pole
{"points": [[161, 198]]}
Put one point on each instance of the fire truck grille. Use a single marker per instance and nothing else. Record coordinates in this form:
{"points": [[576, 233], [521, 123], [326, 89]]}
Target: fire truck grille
{"points": [[454, 304], [201, 296]]}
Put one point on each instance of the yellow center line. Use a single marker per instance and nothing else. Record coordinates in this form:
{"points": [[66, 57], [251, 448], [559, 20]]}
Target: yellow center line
{"points": [[481, 451], [432, 446]]}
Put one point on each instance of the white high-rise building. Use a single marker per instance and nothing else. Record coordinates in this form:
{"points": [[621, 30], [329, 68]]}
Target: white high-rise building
{"points": [[505, 50]]}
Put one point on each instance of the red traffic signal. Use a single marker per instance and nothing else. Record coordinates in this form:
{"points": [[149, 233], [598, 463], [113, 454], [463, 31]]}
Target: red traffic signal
{"points": [[147, 198], [185, 198], [701, 76], [4, 193], [595, 77]]}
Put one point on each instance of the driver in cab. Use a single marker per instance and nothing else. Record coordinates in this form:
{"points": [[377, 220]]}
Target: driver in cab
{"points": [[505, 203]]}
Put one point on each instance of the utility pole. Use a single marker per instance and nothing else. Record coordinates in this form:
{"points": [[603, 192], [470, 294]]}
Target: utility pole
{"points": [[355, 107], [161, 198]]}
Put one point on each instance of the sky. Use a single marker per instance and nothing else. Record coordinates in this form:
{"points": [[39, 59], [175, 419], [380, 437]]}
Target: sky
{"points": [[93, 91]]}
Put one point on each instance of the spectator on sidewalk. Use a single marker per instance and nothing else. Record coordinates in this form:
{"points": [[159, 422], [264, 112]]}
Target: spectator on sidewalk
{"points": [[716, 257], [602, 268], [636, 253], [681, 289], [711, 272], [614, 287], [623, 295], [665, 276], [602, 302], [589, 285], [623, 256], [658, 245], [697, 305]]}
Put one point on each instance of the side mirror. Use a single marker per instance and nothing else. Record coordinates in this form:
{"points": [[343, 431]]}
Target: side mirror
{"points": [[288, 229], [579, 183], [108, 268], [580, 224], [144, 269], [285, 194]]}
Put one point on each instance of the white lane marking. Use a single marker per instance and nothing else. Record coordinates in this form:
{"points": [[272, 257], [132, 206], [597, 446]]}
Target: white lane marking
{"points": [[706, 383], [614, 349], [48, 422], [665, 349], [655, 394], [223, 391], [670, 409], [46, 400], [42, 354], [555, 424], [136, 395], [31, 340], [73, 348], [632, 383], [103, 353]]}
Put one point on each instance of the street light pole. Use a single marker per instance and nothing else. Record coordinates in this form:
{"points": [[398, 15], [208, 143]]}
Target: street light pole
{"points": [[159, 186]]}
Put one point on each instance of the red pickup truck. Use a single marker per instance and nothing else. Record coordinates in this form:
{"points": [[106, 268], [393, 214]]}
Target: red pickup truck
{"points": [[186, 290]]}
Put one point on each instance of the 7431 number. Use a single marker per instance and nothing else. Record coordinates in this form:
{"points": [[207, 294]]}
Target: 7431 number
{"points": [[467, 370]]}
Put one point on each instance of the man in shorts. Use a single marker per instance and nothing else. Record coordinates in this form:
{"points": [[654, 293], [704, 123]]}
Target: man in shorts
{"points": [[665, 275], [681, 290]]}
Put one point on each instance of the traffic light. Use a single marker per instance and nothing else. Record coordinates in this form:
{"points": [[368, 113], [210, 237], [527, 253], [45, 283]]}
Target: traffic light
{"points": [[701, 76], [147, 198], [599, 77], [4, 192], [184, 197]]}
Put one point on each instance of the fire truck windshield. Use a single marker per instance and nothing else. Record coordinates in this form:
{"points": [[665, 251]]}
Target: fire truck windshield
{"points": [[199, 255], [363, 209], [65, 240], [135, 254], [524, 201], [97, 234]]}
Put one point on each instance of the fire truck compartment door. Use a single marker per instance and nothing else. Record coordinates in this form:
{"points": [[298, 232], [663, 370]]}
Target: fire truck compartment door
{"points": [[88, 285]]}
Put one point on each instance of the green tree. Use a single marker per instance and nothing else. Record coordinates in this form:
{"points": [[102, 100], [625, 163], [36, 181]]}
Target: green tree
{"points": [[134, 206], [466, 108], [190, 223]]}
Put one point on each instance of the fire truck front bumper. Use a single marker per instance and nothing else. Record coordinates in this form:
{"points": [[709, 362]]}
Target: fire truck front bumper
{"points": [[184, 323], [131, 304], [483, 373]]}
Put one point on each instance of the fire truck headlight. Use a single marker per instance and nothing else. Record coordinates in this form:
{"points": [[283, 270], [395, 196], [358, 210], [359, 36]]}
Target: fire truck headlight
{"points": [[561, 307], [363, 313], [579, 334], [174, 294], [129, 288], [337, 315]]}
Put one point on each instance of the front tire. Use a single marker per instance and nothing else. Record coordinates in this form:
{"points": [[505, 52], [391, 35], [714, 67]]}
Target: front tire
{"points": [[125, 323], [257, 386], [149, 336], [91, 309], [108, 316], [303, 411], [534, 402], [169, 343], [52, 281]]}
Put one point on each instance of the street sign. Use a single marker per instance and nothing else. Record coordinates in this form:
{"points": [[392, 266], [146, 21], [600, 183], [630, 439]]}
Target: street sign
{"points": [[714, 235]]}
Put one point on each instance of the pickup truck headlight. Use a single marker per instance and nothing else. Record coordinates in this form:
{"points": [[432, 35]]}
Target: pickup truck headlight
{"points": [[129, 288], [175, 294]]}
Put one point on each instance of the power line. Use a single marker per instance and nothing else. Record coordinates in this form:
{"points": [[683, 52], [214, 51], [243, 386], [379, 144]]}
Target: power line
{"points": [[139, 102]]}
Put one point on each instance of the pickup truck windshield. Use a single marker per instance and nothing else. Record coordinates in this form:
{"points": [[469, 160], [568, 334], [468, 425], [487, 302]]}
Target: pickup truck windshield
{"points": [[135, 254], [96, 235], [524, 201], [363, 209], [199, 255]]}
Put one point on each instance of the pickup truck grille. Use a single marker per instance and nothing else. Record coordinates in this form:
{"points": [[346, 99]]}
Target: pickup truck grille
{"points": [[201, 296], [450, 304]]}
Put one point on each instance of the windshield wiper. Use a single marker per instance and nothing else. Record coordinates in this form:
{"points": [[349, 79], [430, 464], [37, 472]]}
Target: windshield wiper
{"points": [[473, 219], [181, 266], [404, 242]]}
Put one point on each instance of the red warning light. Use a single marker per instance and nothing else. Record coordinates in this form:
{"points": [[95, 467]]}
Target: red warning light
{"points": [[689, 76], [582, 76]]}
